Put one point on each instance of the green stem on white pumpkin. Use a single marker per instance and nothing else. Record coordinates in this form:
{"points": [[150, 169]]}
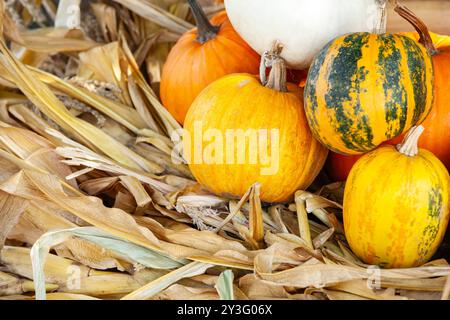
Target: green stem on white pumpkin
{"points": [[419, 25], [409, 147], [278, 76], [206, 31]]}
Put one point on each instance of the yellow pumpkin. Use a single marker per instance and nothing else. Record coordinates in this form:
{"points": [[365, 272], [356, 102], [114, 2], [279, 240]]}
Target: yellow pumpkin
{"points": [[396, 205], [264, 136]]}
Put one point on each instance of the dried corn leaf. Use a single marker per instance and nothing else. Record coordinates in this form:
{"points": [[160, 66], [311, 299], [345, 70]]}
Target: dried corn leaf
{"points": [[446, 291], [107, 18], [12, 285], [256, 214], [35, 150], [224, 285], [69, 296], [182, 292], [137, 190], [81, 156], [157, 15], [106, 63], [49, 40], [136, 253], [121, 113], [316, 275], [256, 289], [339, 295], [151, 289], [37, 186], [42, 97], [11, 208], [362, 288], [275, 214], [171, 126], [72, 277], [8, 27], [240, 262], [32, 120], [303, 222], [322, 238], [141, 106]]}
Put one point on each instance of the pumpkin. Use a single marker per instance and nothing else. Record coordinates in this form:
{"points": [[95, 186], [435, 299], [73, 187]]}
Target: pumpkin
{"points": [[338, 166], [303, 26], [200, 57], [364, 89], [262, 132], [436, 137], [396, 205]]}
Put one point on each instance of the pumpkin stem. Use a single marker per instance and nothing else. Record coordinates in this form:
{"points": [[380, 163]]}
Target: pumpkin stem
{"points": [[419, 25], [380, 23], [206, 31], [409, 146], [278, 75]]}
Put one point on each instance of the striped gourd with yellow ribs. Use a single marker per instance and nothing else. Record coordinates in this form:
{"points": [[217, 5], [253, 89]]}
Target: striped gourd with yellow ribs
{"points": [[436, 137], [365, 88], [396, 208]]}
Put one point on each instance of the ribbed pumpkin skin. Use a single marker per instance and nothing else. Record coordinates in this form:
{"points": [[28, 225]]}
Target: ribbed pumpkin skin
{"points": [[239, 101], [396, 207], [436, 137], [192, 66], [364, 89]]}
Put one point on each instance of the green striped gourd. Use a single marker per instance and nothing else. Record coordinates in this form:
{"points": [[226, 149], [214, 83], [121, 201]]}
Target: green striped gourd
{"points": [[364, 89]]}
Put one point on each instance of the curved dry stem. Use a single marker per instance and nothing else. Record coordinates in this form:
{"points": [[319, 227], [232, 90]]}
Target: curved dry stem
{"points": [[380, 26], [419, 25], [409, 146], [278, 75]]}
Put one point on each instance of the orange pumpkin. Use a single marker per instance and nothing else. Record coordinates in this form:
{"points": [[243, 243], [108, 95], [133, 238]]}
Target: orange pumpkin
{"points": [[242, 130], [201, 56], [297, 76], [436, 137], [338, 166]]}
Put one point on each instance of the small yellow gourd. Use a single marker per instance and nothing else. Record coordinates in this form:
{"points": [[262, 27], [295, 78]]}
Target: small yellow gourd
{"points": [[396, 205]]}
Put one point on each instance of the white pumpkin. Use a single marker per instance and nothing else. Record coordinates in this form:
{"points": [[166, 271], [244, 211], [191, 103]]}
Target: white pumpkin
{"points": [[302, 26]]}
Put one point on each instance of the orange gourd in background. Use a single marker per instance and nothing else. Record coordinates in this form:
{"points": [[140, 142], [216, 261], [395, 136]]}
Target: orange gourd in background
{"points": [[436, 137], [201, 56], [338, 166]]}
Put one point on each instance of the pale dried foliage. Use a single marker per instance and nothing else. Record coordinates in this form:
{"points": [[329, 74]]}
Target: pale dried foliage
{"points": [[92, 206]]}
